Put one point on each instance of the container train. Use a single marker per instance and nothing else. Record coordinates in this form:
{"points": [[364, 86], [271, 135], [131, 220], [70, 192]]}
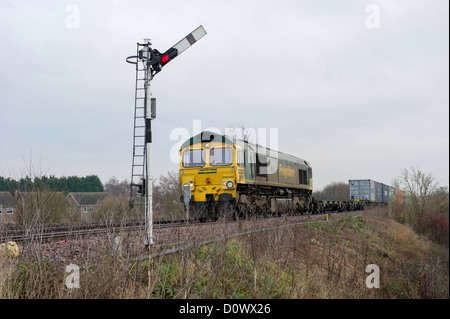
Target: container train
{"points": [[227, 176], [370, 191]]}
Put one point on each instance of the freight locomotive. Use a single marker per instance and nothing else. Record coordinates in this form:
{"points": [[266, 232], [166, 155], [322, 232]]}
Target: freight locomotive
{"points": [[230, 176]]}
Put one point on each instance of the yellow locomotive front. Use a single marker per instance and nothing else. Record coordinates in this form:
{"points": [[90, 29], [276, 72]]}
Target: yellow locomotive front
{"points": [[208, 166]]}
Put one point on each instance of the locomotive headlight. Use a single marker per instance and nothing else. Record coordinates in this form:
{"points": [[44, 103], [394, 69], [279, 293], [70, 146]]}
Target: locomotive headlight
{"points": [[230, 184], [185, 185], [224, 183]]}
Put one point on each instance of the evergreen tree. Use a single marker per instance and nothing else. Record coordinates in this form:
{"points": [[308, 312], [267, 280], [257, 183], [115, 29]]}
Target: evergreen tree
{"points": [[90, 183]]}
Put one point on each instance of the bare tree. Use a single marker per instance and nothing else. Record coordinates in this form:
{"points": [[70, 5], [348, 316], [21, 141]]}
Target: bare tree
{"points": [[241, 132], [440, 201], [41, 206], [333, 191], [114, 209], [417, 189], [113, 187], [166, 195]]}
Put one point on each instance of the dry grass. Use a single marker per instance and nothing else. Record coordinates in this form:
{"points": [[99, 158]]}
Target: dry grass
{"points": [[322, 260]]}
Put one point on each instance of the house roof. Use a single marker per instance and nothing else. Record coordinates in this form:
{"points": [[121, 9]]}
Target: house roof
{"points": [[87, 198], [31, 196], [6, 199]]}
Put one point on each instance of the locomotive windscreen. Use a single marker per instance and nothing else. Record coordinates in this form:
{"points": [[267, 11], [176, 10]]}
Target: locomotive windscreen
{"points": [[221, 156], [193, 158]]}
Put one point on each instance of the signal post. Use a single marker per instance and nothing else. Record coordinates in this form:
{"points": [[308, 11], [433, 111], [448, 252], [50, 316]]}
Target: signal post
{"points": [[152, 62]]}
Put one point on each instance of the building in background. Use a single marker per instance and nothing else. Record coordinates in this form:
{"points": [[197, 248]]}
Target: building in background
{"points": [[83, 203], [8, 208]]}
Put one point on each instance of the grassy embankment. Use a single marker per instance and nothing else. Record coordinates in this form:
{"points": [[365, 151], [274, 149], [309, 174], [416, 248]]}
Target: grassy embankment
{"points": [[321, 260]]}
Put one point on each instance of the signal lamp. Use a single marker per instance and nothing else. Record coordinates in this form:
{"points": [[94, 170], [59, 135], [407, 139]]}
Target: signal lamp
{"points": [[141, 188], [165, 58]]}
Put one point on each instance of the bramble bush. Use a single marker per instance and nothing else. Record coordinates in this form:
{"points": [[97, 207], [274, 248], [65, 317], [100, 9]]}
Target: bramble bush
{"points": [[434, 225]]}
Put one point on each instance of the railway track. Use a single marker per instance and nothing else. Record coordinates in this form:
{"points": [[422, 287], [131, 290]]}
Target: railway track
{"points": [[55, 232], [69, 231]]}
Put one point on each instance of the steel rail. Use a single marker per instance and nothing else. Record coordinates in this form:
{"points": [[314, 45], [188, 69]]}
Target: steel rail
{"points": [[53, 232]]}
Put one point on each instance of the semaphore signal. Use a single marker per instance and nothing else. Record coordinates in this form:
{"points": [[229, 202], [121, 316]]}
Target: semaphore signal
{"points": [[148, 63]]}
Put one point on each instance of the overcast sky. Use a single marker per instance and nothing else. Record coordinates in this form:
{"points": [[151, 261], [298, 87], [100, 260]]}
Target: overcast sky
{"points": [[357, 88]]}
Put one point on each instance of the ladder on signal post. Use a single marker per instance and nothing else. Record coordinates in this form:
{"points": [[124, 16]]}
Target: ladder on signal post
{"points": [[138, 166]]}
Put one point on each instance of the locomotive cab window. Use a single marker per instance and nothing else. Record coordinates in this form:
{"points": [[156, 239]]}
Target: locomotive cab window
{"points": [[193, 158], [302, 177], [221, 156]]}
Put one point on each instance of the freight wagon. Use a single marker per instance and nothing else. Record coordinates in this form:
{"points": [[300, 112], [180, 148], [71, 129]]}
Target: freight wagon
{"points": [[368, 190]]}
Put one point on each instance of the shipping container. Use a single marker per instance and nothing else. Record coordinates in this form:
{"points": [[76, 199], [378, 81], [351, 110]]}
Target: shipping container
{"points": [[370, 190], [388, 193], [385, 194], [362, 189], [400, 196], [378, 189]]}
